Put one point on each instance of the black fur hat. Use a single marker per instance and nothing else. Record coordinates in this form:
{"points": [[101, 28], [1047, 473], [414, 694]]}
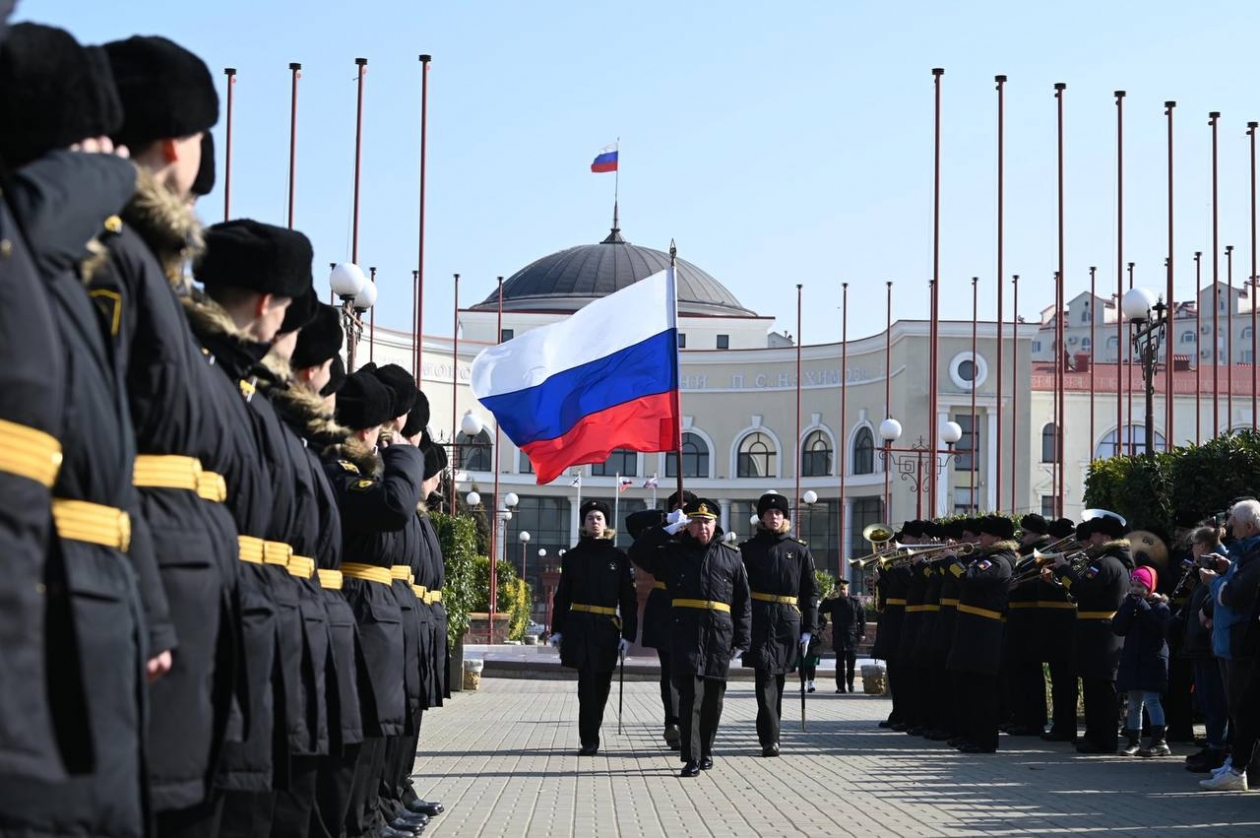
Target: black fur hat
{"points": [[403, 386], [914, 528], [319, 339], [1107, 525], [256, 256], [299, 313], [53, 93], [997, 525], [594, 506], [203, 184], [1034, 523], [434, 460], [772, 500], [363, 402], [1061, 528], [166, 91], [336, 377], [414, 424], [672, 501]]}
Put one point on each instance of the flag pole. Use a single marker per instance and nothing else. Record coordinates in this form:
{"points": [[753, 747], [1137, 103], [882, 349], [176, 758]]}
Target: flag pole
{"points": [[844, 416], [296, 70], [1001, 214], [616, 503], [494, 504], [418, 329], [455, 398], [796, 499], [673, 293], [230, 72]]}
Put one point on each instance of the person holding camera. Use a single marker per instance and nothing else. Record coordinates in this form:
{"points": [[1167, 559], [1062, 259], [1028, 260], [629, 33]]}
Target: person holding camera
{"points": [[1196, 646], [1142, 621]]}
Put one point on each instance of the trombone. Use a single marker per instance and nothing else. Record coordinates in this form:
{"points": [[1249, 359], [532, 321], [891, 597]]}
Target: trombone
{"points": [[906, 555]]}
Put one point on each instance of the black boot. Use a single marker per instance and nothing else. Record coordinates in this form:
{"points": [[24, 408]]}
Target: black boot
{"points": [[1158, 746], [1135, 742]]}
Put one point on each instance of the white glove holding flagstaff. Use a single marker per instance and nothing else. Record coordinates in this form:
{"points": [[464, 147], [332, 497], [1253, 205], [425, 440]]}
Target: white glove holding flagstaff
{"points": [[623, 648], [805, 638], [675, 521], [555, 640]]}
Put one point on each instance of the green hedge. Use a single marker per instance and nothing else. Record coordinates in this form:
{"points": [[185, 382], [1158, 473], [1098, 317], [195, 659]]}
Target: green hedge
{"points": [[458, 538], [513, 599], [1192, 482]]}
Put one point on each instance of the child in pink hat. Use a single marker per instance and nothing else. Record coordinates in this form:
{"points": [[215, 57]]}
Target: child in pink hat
{"points": [[1143, 621]]}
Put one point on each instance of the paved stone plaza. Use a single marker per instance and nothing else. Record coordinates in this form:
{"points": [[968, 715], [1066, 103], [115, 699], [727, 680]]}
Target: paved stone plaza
{"points": [[503, 761]]}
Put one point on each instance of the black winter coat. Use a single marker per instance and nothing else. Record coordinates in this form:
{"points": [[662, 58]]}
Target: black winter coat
{"points": [[436, 670], [779, 566], [983, 586], [594, 573], [890, 603], [702, 640], [94, 626], [910, 638], [1196, 640], [925, 651], [848, 622], [1144, 658], [304, 412], [1022, 638], [377, 496], [657, 611], [32, 378], [1099, 592], [170, 387]]}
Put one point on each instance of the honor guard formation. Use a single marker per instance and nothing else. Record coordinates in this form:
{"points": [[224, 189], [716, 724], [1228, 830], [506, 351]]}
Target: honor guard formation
{"points": [[222, 601]]}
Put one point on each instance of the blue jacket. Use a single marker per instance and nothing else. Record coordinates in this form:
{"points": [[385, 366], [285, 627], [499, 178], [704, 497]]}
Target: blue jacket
{"points": [[1233, 595], [1144, 659]]}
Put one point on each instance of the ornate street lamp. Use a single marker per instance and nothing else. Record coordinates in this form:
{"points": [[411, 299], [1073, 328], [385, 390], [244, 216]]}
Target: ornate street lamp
{"points": [[918, 461], [358, 294], [1149, 316]]}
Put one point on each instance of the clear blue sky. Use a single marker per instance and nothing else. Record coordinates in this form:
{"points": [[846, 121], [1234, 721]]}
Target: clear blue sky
{"points": [[778, 143]]}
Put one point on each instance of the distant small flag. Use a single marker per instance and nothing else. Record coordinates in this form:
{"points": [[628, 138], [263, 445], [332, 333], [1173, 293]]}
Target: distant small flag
{"points": [[577, 481], [624, 484], [606, 160], [650, 483]]}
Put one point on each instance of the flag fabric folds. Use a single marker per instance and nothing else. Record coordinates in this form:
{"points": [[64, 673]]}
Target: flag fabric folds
{"points": [[604, 378], [650, 483], [623, 484], [606, 160]]}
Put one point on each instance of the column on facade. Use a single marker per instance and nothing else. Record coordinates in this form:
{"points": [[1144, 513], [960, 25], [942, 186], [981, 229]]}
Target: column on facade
{"points": [[944, 502], [575, 523], [992, 462], [725, 504], [846, 534]]}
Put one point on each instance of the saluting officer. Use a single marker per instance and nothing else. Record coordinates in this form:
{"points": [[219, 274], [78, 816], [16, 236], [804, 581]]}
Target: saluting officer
{"points": [[848, 628], [594, 618], [1099, 590], [712, 620], [784, 610], [977, 651], [101, 574], [658, 616]]}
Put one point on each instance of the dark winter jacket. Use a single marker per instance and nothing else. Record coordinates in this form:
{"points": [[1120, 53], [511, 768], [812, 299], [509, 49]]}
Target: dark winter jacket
{"points": [[657, 613], [983, 586], [432, 577], [1235, 593], [784, 598], [594, 574], [712, 616], [890, 602], [1144, 658], [1099, 592], [1196, 639], [848, 622]]}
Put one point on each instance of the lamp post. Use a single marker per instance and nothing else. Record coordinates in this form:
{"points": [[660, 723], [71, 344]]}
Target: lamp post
{"points": [[471, 425], [542, 568], [524, 537], [911, 462], [358, 294], [1149, 316]]}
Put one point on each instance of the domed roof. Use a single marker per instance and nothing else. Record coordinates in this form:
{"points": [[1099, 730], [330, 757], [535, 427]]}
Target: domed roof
{"points": [[569, 279]]}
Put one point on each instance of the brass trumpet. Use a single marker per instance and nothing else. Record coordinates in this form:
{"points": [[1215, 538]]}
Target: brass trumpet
{"points": [[876, 534], [863, 562], [905, 555]]}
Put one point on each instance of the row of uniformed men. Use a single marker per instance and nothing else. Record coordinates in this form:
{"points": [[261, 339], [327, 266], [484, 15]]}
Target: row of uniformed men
{"points": [[709, 604], [221, 607], [963, 635]]}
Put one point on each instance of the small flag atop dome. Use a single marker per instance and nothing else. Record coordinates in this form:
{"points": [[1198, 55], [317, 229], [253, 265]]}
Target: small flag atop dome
{"points": [[606, 160]]}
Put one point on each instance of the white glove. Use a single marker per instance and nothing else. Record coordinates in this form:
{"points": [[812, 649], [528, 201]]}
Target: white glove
{"points": [[674, 528], [805, 638], [555, 639], [676, 517], [623, 648]]}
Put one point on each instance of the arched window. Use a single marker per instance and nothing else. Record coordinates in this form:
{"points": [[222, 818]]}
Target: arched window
{"points": [[816, 455], [1246, 333], [695, 456], [1049, 441], [474, 451], [864, 452], [525, 466], [756, 456], [1130, 439]]}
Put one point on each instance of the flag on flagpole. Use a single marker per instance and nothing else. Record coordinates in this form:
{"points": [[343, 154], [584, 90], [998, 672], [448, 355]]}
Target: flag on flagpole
{"points": [[572, 392], [576, 481], [606, 160], [650, 483], [624, 484]]}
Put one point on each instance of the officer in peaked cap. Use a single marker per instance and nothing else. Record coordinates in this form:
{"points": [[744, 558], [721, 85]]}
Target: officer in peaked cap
{"points": [[712, 618]]}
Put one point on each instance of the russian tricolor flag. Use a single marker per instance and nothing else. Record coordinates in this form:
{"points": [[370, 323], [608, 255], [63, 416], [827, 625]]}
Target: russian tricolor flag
{"points": [[606, 160], [604, 378]]}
